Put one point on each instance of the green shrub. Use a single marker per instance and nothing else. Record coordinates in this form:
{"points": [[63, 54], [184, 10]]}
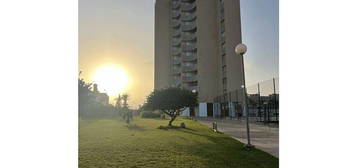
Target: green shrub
{"points": [[150, 114]]}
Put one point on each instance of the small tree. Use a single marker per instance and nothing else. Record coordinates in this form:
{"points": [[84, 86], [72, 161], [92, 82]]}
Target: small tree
{"points": [[118, 101], [85, 96], [125, 98], [118, 104], [127, 113], [171, 101]]}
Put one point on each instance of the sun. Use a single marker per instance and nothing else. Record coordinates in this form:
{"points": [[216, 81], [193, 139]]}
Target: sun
{"points": [[111, 79]]}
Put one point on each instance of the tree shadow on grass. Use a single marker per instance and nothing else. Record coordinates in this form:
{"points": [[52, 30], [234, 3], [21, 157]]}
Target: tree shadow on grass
{"points": [[224, 151], [228, 154], [174, 128], [135, 127]]}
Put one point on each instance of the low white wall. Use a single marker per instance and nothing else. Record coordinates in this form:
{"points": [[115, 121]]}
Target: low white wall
{"points": [[185, 113], [216, 109], [202, 110], [231, 110]]}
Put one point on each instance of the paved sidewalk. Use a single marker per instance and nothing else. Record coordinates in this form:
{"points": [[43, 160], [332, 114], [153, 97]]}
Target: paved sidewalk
{"points": [[263, 137]]}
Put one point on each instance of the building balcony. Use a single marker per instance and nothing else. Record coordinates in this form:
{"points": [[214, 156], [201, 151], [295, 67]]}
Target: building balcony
{"points": [[175, 14], [176, 61], [176, 71], [188, 7], [176, 54], [189, 57], [175, 4], [193, 57], [188, 37], [176, 82], [223, 28], [189, 78], [189, 68], [175, 23], [221, 16], [176, 33], [176, 42], [223, 60], [188, 17], [188, 1], [189, 47], [188, 26], [224, 74], [176, 51], [223, 39], [223, 51]]}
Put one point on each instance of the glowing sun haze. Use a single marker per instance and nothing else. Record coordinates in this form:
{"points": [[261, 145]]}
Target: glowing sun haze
{"points": [[116, 47], [111, 79]]}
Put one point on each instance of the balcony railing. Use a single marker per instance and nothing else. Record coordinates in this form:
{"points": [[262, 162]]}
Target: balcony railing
{"points": [[176, 61], [177, 82], [223, 39], [188, 7], [189, 57], [176, 42], [188, 26], [224, 74], [187, 0], [221, 16], [176, 33], [223, 51], [175, 51], [189, 47], [188, 37], [175, 4], [188, 17], [223, 28], [175, 23], [176, 71], [175, 14], [189, 78], [189, 68]]}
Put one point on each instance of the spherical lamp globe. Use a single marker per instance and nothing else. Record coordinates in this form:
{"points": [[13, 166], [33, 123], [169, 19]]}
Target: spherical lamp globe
{"points": [[241, 49]]}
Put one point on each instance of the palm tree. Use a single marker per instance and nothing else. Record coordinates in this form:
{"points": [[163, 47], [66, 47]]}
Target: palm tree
{"points": [[118, 102], [127, 115], [125, 98]]}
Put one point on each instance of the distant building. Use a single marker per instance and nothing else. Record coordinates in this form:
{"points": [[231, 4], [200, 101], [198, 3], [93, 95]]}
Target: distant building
{"points": [[195, 44], [100, 97]]}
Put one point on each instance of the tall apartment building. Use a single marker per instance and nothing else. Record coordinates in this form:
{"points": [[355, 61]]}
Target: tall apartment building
{"points": [[194, 48]]}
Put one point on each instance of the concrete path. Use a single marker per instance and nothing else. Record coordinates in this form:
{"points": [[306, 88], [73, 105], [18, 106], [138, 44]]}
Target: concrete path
{"points": [[264, 137]]}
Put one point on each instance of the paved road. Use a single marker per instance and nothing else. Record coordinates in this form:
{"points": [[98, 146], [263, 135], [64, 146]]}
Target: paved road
{"points": [[263, 137]]}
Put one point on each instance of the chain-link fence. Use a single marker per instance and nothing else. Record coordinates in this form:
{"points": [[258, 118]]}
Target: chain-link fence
{"points": [[263, 102]]}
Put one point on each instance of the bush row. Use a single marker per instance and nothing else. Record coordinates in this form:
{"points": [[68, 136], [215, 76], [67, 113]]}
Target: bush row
{"points": [[150, 114]]}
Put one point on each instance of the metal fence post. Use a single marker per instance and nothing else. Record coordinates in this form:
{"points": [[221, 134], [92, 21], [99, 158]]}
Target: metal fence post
{"points": [[275, 103], [259, 104]]}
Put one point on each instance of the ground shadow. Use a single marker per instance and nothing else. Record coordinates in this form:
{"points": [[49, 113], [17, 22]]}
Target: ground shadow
{"points": [[224, 150], [174, 128], [135, 127]]}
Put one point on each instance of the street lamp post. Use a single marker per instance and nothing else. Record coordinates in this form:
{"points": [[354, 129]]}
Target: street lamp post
{"points": [[240, 50], [194, 91]]}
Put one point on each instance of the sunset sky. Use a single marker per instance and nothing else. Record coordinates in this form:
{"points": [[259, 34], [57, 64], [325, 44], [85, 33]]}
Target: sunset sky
{"points": [[120, 33]]}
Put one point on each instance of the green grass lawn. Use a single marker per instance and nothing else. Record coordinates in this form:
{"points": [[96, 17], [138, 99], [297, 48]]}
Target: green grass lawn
{"points": [[113, 143]]}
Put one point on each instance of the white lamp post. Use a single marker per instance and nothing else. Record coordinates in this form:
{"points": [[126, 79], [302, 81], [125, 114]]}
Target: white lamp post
{"points": [[240, 50], [194, 91]]}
